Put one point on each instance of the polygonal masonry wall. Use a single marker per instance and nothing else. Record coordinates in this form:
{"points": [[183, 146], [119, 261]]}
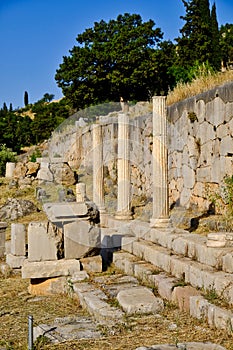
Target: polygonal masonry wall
{"points": [[200, 148]]}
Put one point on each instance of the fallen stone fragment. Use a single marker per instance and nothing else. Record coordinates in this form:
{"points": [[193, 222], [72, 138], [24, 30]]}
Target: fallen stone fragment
{"points": [[68, 328]]}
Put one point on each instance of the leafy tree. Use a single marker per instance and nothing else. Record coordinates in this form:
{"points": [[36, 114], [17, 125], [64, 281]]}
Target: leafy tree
{"points": [[111, 60], [48, 97]]}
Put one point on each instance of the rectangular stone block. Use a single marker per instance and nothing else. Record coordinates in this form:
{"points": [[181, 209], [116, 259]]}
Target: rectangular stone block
{"points": [[227, 262], [222, 318], [140, 229], [200, 276], [48, 269], [92, 264], [15, 261], [43, 242], [179, 267], [199, 307], [81, 239], [165, 288], [18, 239], [2, 243], [181, 296], [127, 243]]}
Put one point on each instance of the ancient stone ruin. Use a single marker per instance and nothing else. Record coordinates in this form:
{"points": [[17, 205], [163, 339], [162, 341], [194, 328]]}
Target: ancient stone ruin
{"points": [[132, 170]]}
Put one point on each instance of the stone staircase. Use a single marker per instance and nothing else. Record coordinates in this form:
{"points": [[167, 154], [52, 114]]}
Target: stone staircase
{"points": [[181, 267]]}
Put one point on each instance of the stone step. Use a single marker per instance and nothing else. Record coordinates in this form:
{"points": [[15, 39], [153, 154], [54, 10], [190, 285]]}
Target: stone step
{"points": [[180, 242], [197, 274], [187, 297]]}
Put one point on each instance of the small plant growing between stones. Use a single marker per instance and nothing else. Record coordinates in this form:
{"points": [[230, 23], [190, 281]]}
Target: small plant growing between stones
{"points": [[70, 287], [192, 117], [36, 154]]}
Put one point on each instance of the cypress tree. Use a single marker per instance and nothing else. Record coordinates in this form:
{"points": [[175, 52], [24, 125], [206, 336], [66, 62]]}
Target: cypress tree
{"points": [[195, 41], [25, 98], [216, 51]]}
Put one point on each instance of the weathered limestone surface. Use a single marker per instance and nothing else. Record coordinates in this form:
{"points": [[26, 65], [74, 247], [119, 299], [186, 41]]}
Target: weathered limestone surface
{"points": [[160, 164], [49, 269], [92, 264], [95, 301], [81, 239], [15, 261], [18, 239], [139, 300], [44, 241], [10, 167]]}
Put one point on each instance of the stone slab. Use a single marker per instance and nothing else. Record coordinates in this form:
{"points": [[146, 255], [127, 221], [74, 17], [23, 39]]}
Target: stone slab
{"points": [[139, 300], [68, 328], [47, 269], [18, 239], [42, 242], [66, 210]]}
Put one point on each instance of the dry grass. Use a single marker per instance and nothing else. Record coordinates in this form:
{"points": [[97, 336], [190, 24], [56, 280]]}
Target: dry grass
{"points": [[17, 304], [199, 85]]}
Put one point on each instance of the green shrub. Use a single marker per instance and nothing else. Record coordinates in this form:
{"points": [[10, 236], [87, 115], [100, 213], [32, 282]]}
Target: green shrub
{"points": [[34, 155], [6, 155]]}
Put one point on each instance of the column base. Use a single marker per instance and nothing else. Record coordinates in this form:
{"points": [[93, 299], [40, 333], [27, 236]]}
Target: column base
{"points": [[162, 223], [123, 215]]}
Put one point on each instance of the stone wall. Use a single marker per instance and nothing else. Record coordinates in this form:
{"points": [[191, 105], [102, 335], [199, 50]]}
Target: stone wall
{"points": [[200, 148]]}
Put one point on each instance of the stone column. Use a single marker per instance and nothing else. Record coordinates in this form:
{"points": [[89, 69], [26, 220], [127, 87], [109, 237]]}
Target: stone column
{"points": [[80, 192], [123, 169], [160, 164], [98, 168]]}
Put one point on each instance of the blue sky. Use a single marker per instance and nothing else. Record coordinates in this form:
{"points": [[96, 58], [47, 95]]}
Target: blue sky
{"points": [[36, 34]]}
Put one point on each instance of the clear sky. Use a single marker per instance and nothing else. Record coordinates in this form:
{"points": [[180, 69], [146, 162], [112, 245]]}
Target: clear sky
{"points": [[36, 34]]}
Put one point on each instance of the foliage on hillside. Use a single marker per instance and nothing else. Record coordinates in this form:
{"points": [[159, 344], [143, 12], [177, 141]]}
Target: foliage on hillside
{"points": [[32, 124]]}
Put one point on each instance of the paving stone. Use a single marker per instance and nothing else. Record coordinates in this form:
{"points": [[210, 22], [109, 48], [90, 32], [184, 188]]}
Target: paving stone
{"points": [[68, 328], [95, 301], [139, 300]]}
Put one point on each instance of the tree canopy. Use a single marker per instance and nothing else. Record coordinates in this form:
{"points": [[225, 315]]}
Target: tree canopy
{"points": [[199, 41], [113, 59]]}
